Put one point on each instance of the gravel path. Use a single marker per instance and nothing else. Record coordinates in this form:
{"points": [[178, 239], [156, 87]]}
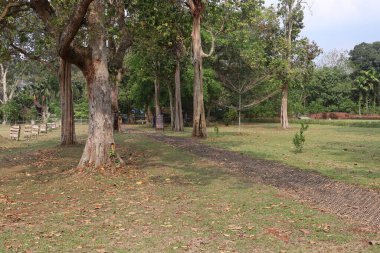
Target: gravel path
{"points": [[353, 202]]}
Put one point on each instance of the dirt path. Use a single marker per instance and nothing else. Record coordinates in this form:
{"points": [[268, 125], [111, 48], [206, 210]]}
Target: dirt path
{"points": [[353, 202]]}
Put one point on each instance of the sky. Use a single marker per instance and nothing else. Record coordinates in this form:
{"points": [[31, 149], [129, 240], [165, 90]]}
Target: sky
{"points": [[341, 24]]}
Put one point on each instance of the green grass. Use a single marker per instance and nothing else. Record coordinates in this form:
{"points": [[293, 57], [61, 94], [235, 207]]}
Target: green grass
{"points": [[350, 154], [167, 201], [340, 122], [346, 123]]}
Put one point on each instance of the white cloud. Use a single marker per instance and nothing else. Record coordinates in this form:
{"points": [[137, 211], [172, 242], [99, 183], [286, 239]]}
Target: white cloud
{"points": [[341, 24]]}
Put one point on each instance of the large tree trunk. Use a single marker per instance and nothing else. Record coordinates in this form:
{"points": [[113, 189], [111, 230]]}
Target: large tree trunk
{"points": [[67, 117], [284, 108], [178, 117], [100, 146], [199, 117]]}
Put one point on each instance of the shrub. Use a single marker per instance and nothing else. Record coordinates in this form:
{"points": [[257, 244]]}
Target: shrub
{"points": [[229, 116], [299, 138]]}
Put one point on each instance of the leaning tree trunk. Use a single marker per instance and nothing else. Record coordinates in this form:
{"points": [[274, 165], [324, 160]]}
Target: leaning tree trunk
{"points": [[199, 117], [284, 108], [100, 146], [360, 103], [67, 117], [178, 118]]}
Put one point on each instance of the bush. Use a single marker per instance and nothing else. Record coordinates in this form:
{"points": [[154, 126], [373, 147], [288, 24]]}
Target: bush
{"points": [[299, 138], [12, 111], [229, 116]]}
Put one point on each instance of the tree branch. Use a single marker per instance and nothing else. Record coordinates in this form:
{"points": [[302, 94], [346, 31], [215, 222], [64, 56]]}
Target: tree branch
{"points": [[7, 10], [72, 28], [45, 12], [191, 6], [116, 59], [12, 93], [33, 57], [203, 55], [256, 82], [256, 102]]}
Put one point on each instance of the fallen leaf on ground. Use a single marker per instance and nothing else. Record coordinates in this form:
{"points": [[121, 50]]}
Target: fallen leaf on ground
{"points": [[234, 227]]}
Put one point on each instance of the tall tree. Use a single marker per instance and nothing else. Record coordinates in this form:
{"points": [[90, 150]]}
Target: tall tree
{"points": [[26, 36], [92, 60], [365, 57], [120, 40], [291, 14], [197, 7], [246, 61]]}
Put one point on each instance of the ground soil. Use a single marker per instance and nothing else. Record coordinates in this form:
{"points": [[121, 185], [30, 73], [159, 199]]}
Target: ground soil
{"points": [[352, 202]]}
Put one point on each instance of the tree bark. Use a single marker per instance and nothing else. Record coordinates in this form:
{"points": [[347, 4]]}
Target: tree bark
{"points": [[3, 73], [115, 99], [284, 108], [199, 117], [68, 136], [100, 146], [239, 113], [148, 114], [171, 104], [178, 117], [157, 97], [288, 33]]}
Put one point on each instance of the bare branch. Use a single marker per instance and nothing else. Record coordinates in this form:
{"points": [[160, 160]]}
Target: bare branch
{"points": [[256, 82], [256, 102], [12, 93], [203, 55], [33, 57]]}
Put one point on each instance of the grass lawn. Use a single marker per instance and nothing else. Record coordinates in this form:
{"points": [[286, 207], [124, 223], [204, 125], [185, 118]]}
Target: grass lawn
{"points": [[167, 201], [351, 154]]}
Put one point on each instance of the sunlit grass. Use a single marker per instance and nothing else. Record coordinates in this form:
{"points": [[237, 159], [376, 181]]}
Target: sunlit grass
{"points": [[345, 153]]}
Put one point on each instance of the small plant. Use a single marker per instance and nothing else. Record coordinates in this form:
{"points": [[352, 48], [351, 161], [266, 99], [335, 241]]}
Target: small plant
{"points": [[299, 138], [216, 130], [112, 151]]}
